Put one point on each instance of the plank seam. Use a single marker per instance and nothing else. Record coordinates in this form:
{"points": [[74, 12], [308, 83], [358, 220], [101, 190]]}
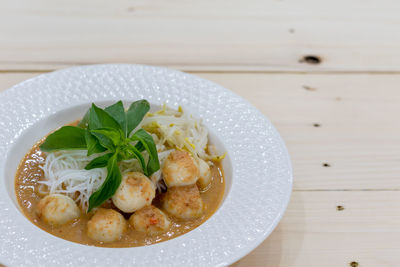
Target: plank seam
{"points": [[13, 71]]}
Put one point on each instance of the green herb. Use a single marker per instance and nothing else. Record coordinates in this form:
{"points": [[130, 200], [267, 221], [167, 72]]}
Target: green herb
{"points": [[109, 131], [135, 114], [93, 145], [99, 162], [67, 137], [117, 111], [109, 138], [109, 186], [98, 118], [146, 140]]}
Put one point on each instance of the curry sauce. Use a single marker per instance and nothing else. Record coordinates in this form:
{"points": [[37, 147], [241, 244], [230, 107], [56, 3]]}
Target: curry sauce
{"points": [[28, 195]]}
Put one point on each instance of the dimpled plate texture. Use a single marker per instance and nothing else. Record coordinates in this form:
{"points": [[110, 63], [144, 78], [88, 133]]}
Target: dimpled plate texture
{"points": [[261, 180]]}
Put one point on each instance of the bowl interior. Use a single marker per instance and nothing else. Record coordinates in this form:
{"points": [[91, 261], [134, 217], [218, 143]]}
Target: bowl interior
{"points": [[43, 127]]}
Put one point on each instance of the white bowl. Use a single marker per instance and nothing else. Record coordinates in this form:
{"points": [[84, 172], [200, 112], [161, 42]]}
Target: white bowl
{"points": [[257, 169]]}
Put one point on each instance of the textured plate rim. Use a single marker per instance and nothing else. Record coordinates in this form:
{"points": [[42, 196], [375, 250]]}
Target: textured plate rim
{"points": [[253, 111]]}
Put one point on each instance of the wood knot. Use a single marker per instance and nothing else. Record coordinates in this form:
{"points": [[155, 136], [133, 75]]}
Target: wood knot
{"points": [[309, 88], [317, 125], [339, 208], [353, 264], [326, 164], [311, 59]]}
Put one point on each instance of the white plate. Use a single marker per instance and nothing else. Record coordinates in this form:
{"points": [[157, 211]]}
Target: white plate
{"points": [[257, 168]]}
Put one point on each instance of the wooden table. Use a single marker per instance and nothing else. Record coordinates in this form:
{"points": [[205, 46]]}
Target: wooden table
{"points": [[327, 74]]}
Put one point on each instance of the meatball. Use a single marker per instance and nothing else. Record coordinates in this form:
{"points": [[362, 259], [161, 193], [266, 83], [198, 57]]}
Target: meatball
{"points": [[135, 192], [106, 225], [183, 202], [150, 220], [180, 169], [205, 174], [57, 209]]}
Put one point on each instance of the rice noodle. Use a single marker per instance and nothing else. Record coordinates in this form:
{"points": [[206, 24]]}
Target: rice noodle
{"points": [[178, 130], [65, 174], [64, 170]]}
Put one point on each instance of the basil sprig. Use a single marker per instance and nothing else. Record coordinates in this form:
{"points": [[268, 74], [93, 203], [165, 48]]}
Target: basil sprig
{"points": [[108, 130]]}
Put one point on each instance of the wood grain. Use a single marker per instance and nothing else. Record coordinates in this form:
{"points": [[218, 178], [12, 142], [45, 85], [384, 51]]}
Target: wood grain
{"points": [[261, 35], [357, 116], [314, 233]]}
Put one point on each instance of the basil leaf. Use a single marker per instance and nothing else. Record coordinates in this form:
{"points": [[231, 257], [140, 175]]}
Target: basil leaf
{"points": [[147, 141], [108, 137], [110, 185], [134, 153], [98, 118], [135, 114], [99, 162], [139, 146], [84, 123], [93, 145], [117, 111], [67, 137]]}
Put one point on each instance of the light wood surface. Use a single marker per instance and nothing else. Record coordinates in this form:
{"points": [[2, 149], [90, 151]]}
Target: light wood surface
{"points": [[208, 35], [341, 113]]}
